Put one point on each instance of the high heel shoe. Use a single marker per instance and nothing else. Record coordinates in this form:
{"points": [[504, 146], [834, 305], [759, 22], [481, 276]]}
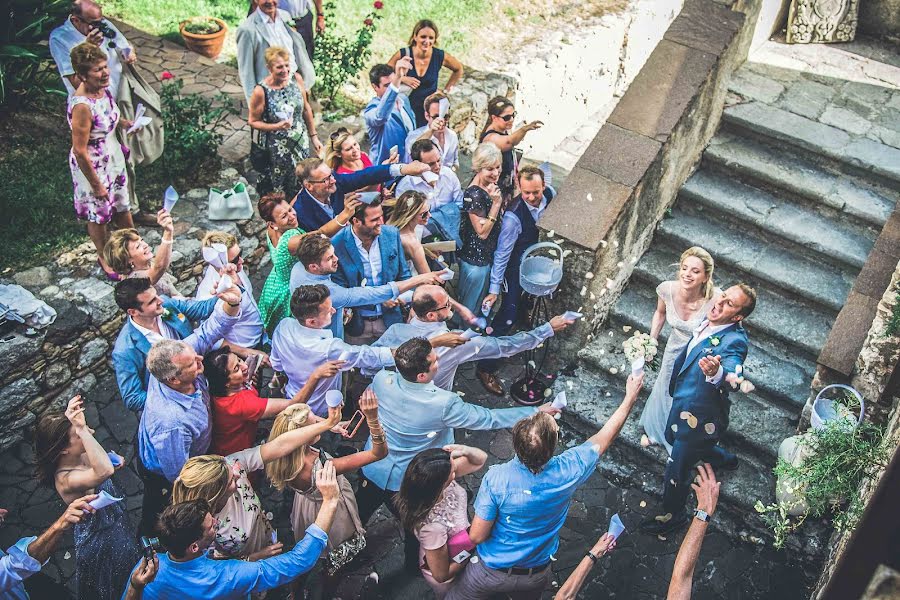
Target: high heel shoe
{"points": [[109, 276]]}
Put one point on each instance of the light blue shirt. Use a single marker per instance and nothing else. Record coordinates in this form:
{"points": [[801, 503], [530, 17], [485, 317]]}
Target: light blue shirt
{"points": [[342, 297], [418, 416], [510, 229], [528, 510], [175, 426], [386, 124], [231, 579], [449, 152], [16, 565], [296, 8], [298, 350], [478, 348], [249, 331]]}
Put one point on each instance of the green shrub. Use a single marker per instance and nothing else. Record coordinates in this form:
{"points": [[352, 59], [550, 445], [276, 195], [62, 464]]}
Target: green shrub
{"points": [[202, 26], [26, 68], [339, 59]]}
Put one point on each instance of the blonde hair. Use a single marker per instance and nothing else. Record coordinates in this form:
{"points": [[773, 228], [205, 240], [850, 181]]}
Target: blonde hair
{"points": [[708, 267], [220, 237], [116, 253], [282, 470], [333, 156], [202, 477], [486, 155], [406, 208], [84, 56], [273, 53]]}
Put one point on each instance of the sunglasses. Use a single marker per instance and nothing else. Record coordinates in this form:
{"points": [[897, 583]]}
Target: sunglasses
{"points": [[509, 118], [237, 258], [338, 132], [425, 213]]}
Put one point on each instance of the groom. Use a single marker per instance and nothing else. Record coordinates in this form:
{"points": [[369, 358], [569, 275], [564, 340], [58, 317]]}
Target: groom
{"points": [[699, 415]]}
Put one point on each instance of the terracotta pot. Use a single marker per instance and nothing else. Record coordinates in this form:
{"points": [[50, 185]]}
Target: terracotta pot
{"points": [[209, 45]]}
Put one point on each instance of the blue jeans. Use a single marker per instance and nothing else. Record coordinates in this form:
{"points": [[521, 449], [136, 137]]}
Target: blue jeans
{"points": [[473, 285]]}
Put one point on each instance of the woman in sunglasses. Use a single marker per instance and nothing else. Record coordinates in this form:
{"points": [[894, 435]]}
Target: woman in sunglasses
{"points": [[499, 131], [410, 215]]}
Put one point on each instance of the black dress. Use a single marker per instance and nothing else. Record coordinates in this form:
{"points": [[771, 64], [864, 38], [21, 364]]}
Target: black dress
{"points": [[427, 82]]}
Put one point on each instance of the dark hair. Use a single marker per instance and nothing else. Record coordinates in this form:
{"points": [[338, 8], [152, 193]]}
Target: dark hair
{"points": [[434, 98], [266, 205], [495, 108], [181, 524], [534, 441], [529, 172], [422, 24], [360, 214], [306, 300], [378, 71], [423, 303], [215, 367], [420, 147], [51, 437], [422, 485], [128, 290], [411, 358], [751, 295], [312, 247]]}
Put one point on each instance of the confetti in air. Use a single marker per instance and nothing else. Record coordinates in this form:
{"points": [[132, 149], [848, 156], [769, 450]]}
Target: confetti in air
{"points": [[588, 275]]}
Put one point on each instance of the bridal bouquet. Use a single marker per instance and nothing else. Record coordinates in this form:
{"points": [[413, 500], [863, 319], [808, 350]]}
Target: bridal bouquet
{"points": [[641, 349]]}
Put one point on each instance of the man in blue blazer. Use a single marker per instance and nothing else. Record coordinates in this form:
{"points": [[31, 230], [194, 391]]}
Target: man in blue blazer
{"points": [[151, 317], [369, 253], [388, 116], [700, 404], [322, 193]]}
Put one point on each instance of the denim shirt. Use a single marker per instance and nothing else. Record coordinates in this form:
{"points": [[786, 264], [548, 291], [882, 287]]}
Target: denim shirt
{"points": [[16, 565]]}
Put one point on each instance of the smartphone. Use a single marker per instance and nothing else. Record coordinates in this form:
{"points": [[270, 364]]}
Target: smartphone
{"points": [[394, 150], [462, 557], [355, 423], [253, 363]]}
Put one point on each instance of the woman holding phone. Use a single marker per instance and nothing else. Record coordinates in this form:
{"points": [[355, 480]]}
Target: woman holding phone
{"points": [[433, 506], [297, 471]]}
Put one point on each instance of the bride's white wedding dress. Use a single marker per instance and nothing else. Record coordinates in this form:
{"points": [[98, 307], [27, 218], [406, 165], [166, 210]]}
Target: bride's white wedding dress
{"points": [[656, 410]]}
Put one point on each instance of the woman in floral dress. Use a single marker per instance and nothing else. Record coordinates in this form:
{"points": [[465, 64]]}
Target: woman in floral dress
{"points": [[97, 160], [275, 106]]}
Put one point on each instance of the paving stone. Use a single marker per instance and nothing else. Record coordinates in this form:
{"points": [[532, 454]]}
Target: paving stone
{"points": [[807, 98], [845, 119], [755, 87]]}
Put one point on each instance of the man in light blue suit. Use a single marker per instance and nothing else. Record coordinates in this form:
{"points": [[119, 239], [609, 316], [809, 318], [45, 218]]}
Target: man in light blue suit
{"points": [[318, 262], [700, 405], [418, 415], [151, 317], [388, 116], [369, 253]]}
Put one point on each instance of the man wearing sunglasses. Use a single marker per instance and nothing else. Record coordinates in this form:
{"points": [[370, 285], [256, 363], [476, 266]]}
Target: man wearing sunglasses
{"points": [[440, 185], [437, 131]]}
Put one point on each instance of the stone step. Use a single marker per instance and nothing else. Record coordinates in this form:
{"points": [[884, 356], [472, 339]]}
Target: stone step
{"points": [[850, 155], [779, 377], [794, 323], [782, 168], [764, 261], [804, 230]]}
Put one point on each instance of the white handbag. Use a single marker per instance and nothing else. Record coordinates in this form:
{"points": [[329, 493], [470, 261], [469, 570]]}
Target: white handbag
{"points": [[231, 204]]}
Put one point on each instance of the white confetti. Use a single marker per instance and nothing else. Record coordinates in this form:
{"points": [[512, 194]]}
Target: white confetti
{"points": [[363, 282], [551, 233], [531, 364], [67, 555], [738, 369], [616, 243], [566, 253], [508, 520], [584, 290], [613, 370], [431, 434], [547, 393], [610, 284], [526, 492], [593, 297], [643, 503], [590, 198], [460, 394], [603, 243], [626, 328], [611, 334], [409, 201], [390, 380], [645, 441], [588, 275], [270, 516], [373, 576], [675, 427], [602, 351], [570, 385], [608, 394]]}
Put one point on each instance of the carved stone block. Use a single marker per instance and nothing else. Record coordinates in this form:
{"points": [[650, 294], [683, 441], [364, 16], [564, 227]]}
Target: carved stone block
{"points": [[822, 21]]}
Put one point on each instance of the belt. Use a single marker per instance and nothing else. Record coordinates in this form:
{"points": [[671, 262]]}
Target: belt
{"points": [[371, 317], [524, 571]]}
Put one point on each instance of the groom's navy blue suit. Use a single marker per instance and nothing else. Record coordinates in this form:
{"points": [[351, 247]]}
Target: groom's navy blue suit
{"points": [[706, 402]]}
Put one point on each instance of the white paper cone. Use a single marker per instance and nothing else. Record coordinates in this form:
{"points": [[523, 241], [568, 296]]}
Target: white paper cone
{"points": [[430, 177], [103, 500], [334, 398], [170, 198], [446, 275], [572, 315], [616, 527], [114, 458], [560, 401], [443, 107], [637, 367], [469, 334], [224, 284]]}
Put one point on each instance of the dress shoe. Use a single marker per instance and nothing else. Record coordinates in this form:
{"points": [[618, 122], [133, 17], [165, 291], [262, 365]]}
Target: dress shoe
{"points": [[144, 219], [723, 460], [491, 383], [655, 526]]}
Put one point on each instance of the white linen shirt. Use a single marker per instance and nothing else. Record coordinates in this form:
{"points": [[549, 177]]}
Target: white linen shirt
{"points": [[371, 261], [449, 152], [446, 189], [249, 331], [152, 336], [510, 230], [65, 37]]}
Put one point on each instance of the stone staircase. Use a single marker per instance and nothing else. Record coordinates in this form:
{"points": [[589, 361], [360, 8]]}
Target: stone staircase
{"points": [[783, 205]]}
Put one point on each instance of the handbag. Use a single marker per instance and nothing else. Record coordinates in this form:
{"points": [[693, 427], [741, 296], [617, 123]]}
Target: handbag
{"points": [[260, 159], [230, 205]]}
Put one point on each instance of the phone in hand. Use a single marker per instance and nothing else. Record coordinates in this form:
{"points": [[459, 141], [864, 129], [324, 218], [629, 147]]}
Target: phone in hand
{"points": [[355, 423]]}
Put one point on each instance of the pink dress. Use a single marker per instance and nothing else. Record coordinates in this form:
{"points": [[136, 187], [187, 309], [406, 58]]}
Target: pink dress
{"points": [[447, 518], [108, 159]]}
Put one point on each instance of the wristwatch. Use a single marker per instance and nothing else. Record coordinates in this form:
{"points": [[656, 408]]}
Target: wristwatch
{"points": [[702, 515], [594, 558]]}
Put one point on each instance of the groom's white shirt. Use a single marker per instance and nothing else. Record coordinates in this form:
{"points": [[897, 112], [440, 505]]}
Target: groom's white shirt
{"points": [[703, 331]]}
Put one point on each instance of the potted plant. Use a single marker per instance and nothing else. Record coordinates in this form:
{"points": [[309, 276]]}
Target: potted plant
{"points": [[204, 35]]}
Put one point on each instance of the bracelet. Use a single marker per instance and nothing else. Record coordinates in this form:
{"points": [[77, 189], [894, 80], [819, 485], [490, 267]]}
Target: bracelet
{"points": [[233, 305], [165, 241], [492, 219], [594, 558], [378, 439], [341, 224]]}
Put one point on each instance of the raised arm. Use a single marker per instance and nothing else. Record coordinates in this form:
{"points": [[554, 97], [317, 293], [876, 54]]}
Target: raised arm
{"points": [[163, 256], [324, 371], [287, 442], [462, 415], [219, 324], [100, 467], [603, 439], [569, 590], [508, 142], [466, 459], [368, 404], [707, 490]]}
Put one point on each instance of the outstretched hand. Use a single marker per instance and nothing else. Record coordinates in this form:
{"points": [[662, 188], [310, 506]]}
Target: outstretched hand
{"points": [[710, 365], [707, 489]]}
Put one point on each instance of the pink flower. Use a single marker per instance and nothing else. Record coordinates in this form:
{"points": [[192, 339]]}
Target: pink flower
{"points": [[367, 22], [166, 75], [378, 4]]}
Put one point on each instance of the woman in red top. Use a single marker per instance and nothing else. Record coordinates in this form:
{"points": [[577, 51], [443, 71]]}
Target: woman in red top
{"points": [[236, 404], [344, 155]]}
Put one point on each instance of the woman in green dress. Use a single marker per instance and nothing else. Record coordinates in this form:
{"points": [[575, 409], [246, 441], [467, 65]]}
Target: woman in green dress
{"points": [[283, 238]]}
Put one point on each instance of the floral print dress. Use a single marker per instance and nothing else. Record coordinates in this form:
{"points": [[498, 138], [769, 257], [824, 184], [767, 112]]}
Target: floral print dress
{"points": [[107, 157], [286, 147], [243, 527]]}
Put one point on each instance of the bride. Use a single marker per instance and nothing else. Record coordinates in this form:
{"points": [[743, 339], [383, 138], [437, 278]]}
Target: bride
{"points": [[682, 303]]}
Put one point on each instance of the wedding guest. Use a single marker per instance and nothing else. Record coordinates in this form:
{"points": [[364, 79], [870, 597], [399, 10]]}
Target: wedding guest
{"points": [[263, 28], [442, 188], [426, 65], [410, 216], [20, 564], [150, 318], [498, 130], [689, 296], [302, 15], [130, 256], [516, 532], [434, 507], [344, 155], [236, 405], [388, 116], [143, 574], [97, 159], [73, 461], [297, 471], [283, 236], [281, 112], [175, 423], [418, 415], [436, 129], [242, 529], [318, 262], [482, 207], [570, 588], [186, 571]]}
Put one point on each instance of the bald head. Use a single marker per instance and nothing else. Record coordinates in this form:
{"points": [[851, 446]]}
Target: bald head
{"points": [[431, 303], [87, 10]]}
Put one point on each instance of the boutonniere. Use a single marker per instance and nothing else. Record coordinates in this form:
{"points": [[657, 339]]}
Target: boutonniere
{"points": [[166, 313], [181, 317], [714, 340]]}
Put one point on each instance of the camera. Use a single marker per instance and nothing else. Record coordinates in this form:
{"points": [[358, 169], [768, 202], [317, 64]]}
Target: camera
{"points": [[149, 546], [104, 28]]}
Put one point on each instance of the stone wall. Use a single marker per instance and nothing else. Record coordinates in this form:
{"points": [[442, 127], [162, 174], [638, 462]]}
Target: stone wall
{"points": [[45, 370], [880, 18], [630, 174], [468, 103]]}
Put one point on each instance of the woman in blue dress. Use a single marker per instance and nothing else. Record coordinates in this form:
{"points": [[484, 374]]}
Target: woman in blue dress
{"points": [[69, 457], [422, 79]]}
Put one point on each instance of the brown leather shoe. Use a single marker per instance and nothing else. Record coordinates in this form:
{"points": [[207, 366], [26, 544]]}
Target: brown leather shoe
{"points": [[145, 219], [491, 383]]}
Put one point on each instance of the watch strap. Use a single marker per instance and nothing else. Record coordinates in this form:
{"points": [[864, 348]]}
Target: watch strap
{"points": [[702, 515]]}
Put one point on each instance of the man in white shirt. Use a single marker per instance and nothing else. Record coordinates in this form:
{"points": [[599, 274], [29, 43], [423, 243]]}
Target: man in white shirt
{"points": [[437, 131], [303, 19], [439, 184]]}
